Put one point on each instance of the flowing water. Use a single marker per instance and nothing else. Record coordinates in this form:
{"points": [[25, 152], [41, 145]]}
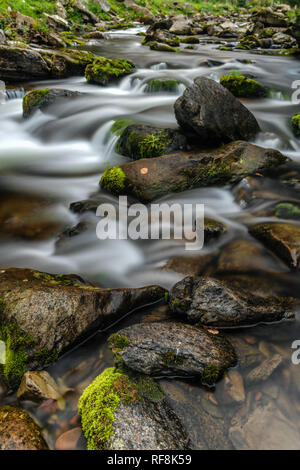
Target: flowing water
{"points": [[59, 157]]}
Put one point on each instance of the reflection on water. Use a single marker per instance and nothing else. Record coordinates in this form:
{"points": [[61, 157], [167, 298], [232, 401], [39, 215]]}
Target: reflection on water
{"points": [[61, 156]]}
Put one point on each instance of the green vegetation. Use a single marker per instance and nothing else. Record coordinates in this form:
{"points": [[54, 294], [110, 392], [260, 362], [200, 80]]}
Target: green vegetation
{"points": [[117, 342], [210, 374], [120, 125], [296, 124], [113, 180], [171, 358], [100, 400], [33, 99], [241, 86], [286, 210], [153, 146], [162, 85], [102, 71]]}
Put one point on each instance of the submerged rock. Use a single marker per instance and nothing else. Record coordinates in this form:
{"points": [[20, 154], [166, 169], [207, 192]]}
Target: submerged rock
{"points": [[27, 216], [120, 412], [282, 239], [147, 179], [103, 71], [264, 370], [173, 349], [141, 141], [43, 98], [38, 386], [263, 426], [214, 302], [241, 86], [211, 113], [18, 431], [43, 314]]}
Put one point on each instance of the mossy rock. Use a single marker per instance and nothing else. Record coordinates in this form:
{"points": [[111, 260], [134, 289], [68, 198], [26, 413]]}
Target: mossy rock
{"points": [[168, 348], [286, 210], [104, 71], [43, 98], [113, 180], [162, 85], [33, 100], [159, 46], [115, 408], [140, 141], [241, 86], [295, 121], [249, 42], [190, 40]]}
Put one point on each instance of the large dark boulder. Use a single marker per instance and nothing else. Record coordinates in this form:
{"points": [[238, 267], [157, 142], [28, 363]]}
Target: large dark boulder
{"points": [[211, 113], [216, 303]]}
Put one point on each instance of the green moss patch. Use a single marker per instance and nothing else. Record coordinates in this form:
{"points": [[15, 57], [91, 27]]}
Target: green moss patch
{"points": [[17, 344], [171, 358], [99, 402], [286, 210], [153, 146], [210, 374], [103, 71], [241, 86], [295, 121], [113, 180]]}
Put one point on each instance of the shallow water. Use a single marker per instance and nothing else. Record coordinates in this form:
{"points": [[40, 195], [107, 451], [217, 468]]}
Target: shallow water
{"points": [[61, 156]]}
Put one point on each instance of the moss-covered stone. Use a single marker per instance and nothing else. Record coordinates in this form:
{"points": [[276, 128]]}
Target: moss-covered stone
{"points": [[141, 141], [241, 86], [190, 40], [100, 400], [249, 42], [103, 71], [113, 180], [296, 124], [117, 342], [33, 100], [162, 85], [120, 125], [286, 210], [162, 47]]}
